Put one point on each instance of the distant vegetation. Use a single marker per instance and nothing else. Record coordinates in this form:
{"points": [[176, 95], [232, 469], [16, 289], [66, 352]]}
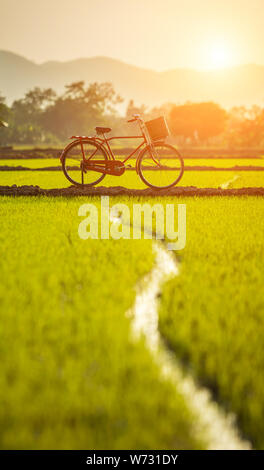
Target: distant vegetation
{"points": [[43, 117]]}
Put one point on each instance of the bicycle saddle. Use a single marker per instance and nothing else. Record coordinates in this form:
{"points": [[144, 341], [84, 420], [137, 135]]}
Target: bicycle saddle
{"points": [[102, 130]]}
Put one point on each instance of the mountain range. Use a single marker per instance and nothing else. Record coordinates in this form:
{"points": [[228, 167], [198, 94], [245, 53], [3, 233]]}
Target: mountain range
{"points": [[240, 85]]}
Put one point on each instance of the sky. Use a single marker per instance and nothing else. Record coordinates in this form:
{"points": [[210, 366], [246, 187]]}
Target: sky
{"points": [[156, 34]]}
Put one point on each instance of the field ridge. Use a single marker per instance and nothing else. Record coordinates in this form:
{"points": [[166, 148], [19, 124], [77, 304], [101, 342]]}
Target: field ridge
{"points": [[71, 191]]}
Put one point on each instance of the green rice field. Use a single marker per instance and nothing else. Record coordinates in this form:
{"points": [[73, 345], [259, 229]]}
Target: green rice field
{"points": [[131, 180], [212, 314], [72, 374]]}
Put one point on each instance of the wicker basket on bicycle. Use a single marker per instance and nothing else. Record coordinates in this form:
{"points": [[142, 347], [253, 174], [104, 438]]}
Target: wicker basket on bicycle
{"points": [[157, 129]]}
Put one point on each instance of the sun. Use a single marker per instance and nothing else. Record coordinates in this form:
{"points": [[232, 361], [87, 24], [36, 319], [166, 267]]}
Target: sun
{"points": [[218, 55]]}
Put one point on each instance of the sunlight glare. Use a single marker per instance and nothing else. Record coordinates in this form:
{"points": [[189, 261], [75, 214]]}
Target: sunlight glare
{"points": [[218, 55]]}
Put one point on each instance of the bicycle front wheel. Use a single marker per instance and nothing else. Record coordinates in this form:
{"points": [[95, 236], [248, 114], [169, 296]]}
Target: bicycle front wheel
{"points": [[73, 158], [160, 166]]}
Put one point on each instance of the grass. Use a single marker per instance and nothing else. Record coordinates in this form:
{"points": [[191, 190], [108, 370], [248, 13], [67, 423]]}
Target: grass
{"points": [[31, 162], [71, 374], [224, 162], [212, 314], [56, 179], [130, 179]]}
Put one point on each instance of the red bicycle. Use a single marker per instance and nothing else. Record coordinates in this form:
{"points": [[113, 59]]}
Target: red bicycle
{"points": [[87, 160]]}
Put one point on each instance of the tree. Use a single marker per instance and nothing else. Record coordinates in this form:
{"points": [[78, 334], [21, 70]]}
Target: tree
{"points": [[4, 119], [27, 114], [198, 120], [75, 91], [245, 126], [78, 109], [31, 107], [4, 110]]}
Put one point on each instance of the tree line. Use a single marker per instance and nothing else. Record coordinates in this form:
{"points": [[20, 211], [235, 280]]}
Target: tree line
{"points": [[43, 116]]}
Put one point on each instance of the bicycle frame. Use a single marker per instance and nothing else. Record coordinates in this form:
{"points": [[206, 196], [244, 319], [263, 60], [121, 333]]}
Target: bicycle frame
{"points": [[109, 150]]}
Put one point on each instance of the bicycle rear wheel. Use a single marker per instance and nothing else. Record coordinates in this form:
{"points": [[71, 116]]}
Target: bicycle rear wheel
{"points": [[160, 166], [72, 163]]}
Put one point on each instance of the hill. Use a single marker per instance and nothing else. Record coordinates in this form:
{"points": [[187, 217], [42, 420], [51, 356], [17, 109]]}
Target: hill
{"points": [[242, 85]]}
